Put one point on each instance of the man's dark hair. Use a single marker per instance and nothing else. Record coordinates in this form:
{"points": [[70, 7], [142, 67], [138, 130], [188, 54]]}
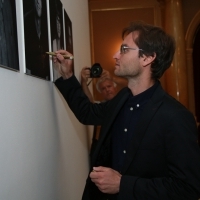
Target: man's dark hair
{"points": [[153, 40]]}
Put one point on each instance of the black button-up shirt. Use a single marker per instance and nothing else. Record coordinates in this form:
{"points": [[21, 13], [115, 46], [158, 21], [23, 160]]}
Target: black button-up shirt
{"points": [[124, 125]]}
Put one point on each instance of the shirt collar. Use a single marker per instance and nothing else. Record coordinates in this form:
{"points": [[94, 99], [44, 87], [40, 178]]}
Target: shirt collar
{"points": [[140, 99]]}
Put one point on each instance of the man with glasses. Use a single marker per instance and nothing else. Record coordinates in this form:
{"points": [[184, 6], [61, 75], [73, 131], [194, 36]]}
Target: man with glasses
{"points": [[148, 142]]}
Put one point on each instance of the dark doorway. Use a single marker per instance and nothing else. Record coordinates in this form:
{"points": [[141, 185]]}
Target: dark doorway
{"points": [[196, 69]]}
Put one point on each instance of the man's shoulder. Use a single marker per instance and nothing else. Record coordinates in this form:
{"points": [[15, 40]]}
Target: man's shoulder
{"points": [[171, 105], [124, 90]]}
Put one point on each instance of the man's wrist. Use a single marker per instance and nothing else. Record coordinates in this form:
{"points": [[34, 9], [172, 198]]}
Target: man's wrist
{"points": [[83, 81], [67, 75]]}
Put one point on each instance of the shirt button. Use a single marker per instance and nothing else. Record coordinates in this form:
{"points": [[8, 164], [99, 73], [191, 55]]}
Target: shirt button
{"points": [[131, 108], [138, 105], [125, 130], [124, 151]]}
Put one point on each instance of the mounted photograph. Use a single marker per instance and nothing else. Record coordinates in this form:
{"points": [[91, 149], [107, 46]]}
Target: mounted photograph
{"points": [[9, 58], [36, 38]]}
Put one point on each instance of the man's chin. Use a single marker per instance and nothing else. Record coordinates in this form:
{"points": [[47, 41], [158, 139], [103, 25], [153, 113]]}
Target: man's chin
{"points": [[117, 73]]}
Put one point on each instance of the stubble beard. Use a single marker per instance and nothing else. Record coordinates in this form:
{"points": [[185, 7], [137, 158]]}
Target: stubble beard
{"points": [[119, 72], [128, 74]]}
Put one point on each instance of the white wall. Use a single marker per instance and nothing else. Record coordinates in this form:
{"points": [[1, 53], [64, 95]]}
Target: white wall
{"points": [[43, 148]]}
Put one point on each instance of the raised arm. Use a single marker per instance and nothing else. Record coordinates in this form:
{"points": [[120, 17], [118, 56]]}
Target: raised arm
{"points": [[64, 66], [85, 74]]}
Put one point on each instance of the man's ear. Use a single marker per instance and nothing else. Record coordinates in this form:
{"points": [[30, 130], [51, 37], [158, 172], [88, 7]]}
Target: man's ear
{"points": [[147, 60]]}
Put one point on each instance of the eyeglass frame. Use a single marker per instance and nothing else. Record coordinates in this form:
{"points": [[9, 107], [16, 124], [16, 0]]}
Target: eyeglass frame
{"points": [[123, 47]]}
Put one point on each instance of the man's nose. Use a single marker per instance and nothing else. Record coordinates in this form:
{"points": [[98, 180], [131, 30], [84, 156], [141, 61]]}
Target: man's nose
{"points": [[116, 55], [107, 89]]}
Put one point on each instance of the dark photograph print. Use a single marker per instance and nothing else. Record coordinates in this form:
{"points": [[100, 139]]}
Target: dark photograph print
{"points": [[56, 23], [68, 34], [8, 35], [36, 38]]}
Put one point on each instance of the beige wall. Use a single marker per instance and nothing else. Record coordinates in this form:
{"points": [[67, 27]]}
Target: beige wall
{"points": [[43, 148]]}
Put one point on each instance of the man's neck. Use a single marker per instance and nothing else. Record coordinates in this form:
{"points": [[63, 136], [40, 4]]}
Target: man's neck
{"points": [[139, 86]]}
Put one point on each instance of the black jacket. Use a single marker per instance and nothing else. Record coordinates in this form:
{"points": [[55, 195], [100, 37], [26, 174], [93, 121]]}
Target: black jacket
{"points": [[163, 159]]}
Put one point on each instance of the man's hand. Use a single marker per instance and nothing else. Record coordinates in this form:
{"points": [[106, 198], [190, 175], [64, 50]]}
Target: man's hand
{"points": [[85, 74], [62, 65], [106, 74], [106, 179]]}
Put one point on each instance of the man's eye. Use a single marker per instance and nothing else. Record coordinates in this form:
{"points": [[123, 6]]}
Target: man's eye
{"points": [[124, 49]]}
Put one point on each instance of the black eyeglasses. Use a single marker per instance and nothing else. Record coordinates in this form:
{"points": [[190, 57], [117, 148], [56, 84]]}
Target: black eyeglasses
{"points": [[123, 49]]}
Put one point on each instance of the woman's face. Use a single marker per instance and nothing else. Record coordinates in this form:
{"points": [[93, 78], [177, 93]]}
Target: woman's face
{"points": [[38, 7]]}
